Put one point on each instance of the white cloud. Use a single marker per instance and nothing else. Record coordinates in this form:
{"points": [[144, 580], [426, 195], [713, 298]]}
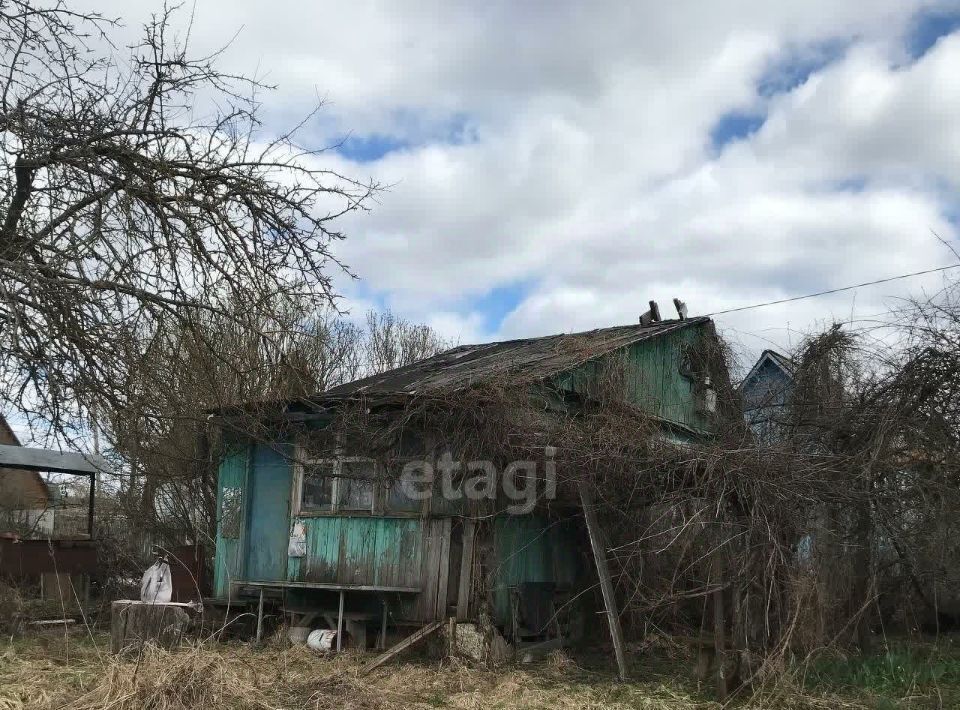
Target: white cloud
{"points": [[588, 174]]}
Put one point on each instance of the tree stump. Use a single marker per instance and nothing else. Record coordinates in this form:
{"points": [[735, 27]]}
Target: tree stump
{"points": [[134, 624]]}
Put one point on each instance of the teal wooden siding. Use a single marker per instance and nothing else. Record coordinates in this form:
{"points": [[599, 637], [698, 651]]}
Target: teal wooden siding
{"points": [[268, 512], [228, 562], [530, 549], [653, 380], [379, 551], [361, 550]]}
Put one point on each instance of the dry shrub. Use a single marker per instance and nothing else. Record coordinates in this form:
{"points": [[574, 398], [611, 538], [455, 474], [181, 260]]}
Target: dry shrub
{"points": [[176, 681], [559, 661], [332, 690], [11, 608], [229, 676]]}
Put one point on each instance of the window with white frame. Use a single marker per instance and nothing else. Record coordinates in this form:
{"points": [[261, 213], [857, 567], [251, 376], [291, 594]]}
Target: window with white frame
{"points": [[344, 484]]}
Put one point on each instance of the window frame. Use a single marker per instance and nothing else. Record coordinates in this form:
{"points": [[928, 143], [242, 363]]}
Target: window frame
{"points": [[380, 491], [336, 464]]}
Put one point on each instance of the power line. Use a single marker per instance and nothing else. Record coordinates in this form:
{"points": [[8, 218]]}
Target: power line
{"points": [[835, 290]]}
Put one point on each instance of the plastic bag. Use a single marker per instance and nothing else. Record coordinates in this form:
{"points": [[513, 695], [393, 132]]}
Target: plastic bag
{"points": [[298, 541], [156, 587]]}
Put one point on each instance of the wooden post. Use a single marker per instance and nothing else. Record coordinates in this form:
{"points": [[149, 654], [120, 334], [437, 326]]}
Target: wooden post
{"points": [[135, 623], [382, 643], [340, 623], [719, 641], [466, 571], [260, 618], [90, 504], [603, 571]]}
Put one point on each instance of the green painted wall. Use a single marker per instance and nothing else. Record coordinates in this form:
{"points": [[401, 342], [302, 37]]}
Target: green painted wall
{"points": [[269, 482], [229, 550], [653, 381], [361, 550], [531, 549]]}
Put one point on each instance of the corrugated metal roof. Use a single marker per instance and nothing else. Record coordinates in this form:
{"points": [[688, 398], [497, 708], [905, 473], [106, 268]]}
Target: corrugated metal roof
{"points": [[536, 357]]}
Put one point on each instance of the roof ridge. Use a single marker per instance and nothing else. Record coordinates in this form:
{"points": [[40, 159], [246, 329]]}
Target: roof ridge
{"points": [[653, 326], [470, 363]]}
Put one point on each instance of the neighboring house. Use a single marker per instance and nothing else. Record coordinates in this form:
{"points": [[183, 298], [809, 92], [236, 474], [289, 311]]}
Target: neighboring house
{"points": [[766, 392], [26, 504], [321, 531]]}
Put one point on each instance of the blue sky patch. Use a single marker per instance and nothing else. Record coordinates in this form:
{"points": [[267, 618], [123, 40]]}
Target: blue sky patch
{"points": [[411, 130], [368, 148], [927, 28], [734, 126], [853, 184], [797, 65], [497, 303]]}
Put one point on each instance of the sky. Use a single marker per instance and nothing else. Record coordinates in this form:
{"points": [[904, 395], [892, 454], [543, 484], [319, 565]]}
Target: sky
{"points": [[553, 166]]}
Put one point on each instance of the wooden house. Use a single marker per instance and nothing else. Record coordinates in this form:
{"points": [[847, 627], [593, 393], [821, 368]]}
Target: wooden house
{"points": [[334, 532], [766, 393], [27, 505]]}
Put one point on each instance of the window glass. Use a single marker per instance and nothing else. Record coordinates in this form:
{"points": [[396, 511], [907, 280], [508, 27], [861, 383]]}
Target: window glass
{"points": [[317, 486], [357, 479], [397, 499], [230, 512], [356, 494]]}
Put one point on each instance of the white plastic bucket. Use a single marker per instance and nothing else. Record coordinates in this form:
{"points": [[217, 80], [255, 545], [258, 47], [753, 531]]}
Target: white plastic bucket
{"points": [[321, 639]]}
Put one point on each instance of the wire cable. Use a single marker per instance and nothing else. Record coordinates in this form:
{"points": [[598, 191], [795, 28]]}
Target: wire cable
{"points": [[835, 290]]}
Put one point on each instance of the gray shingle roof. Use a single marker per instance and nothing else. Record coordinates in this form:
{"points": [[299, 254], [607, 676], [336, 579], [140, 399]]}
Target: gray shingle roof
{"points": [[536, 357]]}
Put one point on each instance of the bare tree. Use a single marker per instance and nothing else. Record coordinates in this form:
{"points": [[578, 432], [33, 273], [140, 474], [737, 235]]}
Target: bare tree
{"points": [[137, 193], [161, 436], [392, 341]]}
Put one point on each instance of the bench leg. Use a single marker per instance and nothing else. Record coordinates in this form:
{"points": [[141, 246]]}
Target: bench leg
{"points": [[382, 642], [340, 624]]}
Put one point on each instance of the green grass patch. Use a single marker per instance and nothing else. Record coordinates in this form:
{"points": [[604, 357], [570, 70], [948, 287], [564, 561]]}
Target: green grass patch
{"points": [[899, 673]]}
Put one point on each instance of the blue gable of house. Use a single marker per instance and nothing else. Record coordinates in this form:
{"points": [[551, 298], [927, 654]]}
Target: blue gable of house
{"points": [[766, 392]]}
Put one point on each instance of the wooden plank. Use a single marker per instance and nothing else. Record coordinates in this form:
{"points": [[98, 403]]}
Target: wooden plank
{"points": [[260, 618], [56, 586], [430, 571], [329, 586], [48, 460], [606, 585], [443, 569], [402, 645], [466, 571]]}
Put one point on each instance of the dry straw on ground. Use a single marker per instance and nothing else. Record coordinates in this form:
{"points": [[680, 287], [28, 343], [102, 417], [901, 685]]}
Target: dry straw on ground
{"points": [[58, 673]]}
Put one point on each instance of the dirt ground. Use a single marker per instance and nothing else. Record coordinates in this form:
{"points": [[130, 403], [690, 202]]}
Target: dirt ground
{"points": [[73, 671]]}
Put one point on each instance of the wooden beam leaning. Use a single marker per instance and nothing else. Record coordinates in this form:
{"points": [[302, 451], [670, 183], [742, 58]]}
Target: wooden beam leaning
{"points": [[603, 571], [406, 643]]}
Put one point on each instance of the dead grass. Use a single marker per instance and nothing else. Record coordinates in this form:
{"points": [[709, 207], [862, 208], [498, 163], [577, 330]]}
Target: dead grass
{"points": [[73, 672]]}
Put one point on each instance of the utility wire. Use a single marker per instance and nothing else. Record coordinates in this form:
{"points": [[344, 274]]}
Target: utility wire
{"points": [[835, 290]]}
